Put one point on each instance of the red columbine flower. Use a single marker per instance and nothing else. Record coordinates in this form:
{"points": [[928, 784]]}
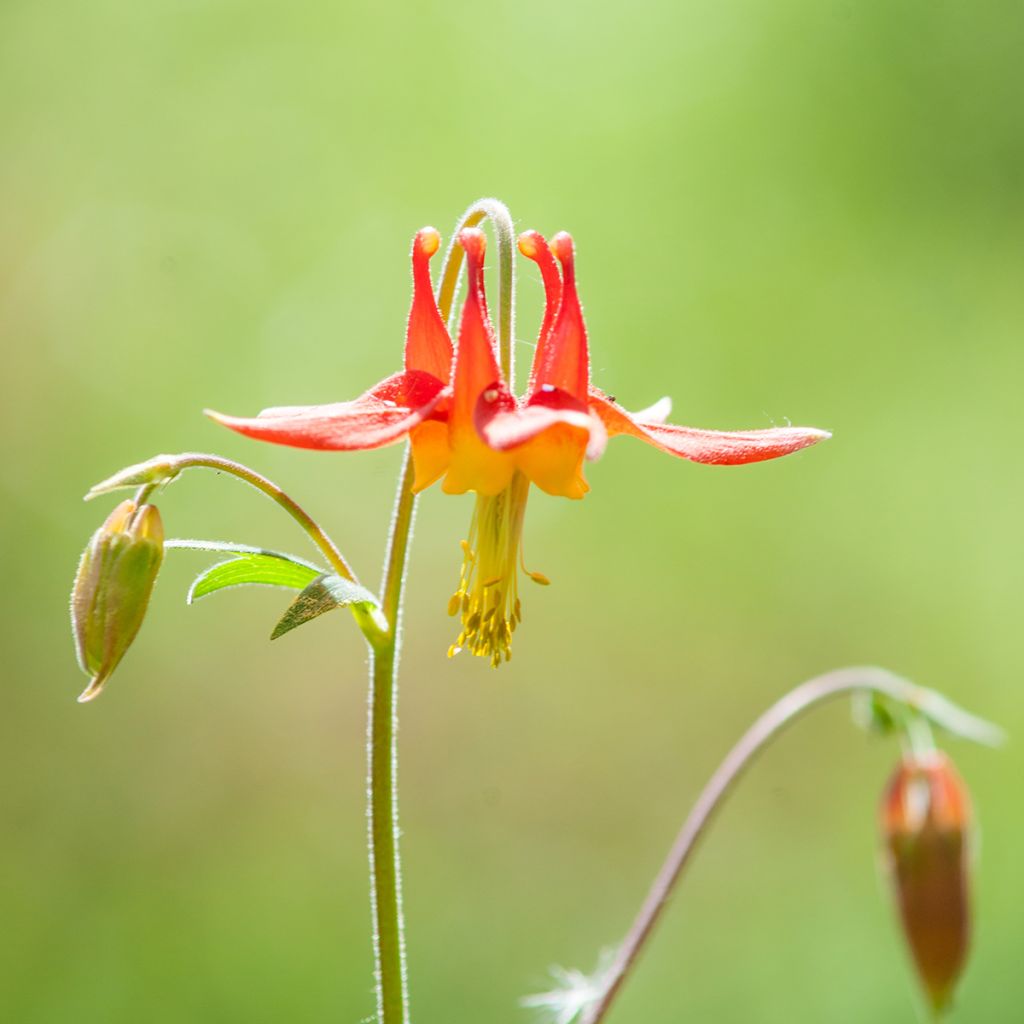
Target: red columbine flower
{"points": [[464, 424]]}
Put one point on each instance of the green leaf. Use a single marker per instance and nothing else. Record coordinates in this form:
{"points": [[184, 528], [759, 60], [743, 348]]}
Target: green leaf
{"points": [[230, 547], [250, 565], [271, 570], [326, 592]]}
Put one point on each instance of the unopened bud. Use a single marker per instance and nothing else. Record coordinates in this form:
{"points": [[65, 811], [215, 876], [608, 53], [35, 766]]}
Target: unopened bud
{"points": [[112, 587], [926, 826]]}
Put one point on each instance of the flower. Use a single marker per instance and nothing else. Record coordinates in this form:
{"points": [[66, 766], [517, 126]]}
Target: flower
{"points": [[926, 824], [112, 588], [463, 422]]}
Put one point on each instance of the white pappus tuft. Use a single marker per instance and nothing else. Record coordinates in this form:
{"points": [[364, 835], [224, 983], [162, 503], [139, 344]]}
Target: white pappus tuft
{"points": [[574, 992]]}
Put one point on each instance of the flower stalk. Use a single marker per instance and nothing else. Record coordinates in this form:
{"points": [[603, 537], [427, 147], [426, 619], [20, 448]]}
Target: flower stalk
{"points": [[447, 292], [770, 725], [162, 469], [391, 967]]}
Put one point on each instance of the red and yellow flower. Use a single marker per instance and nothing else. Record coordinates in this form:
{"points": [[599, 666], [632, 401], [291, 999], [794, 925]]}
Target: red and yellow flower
{"points": [[465, 425]]}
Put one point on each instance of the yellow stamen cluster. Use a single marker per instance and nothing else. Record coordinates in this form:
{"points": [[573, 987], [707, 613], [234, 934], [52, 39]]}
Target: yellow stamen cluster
{"points": [[488, 597]]}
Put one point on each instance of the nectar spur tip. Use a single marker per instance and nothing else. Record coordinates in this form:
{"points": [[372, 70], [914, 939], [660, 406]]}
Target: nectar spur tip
{"points": [[474, 241], [529, 245], [562, 246], [428, 241]]}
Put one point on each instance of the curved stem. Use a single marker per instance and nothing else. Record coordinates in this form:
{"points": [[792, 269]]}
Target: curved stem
{"points": [[143, 493], [447, 290], [771, 724], [199, 460], [140, 499]]}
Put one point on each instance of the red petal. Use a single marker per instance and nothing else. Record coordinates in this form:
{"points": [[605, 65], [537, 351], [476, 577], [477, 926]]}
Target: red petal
{"points": [[533, 245], [547, 439], [505, 426], [712, 447], [562, 359], [381, 416], [428, 346]]}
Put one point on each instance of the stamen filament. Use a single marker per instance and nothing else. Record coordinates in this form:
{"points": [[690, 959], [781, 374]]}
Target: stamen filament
{"points": [[488, 596]]}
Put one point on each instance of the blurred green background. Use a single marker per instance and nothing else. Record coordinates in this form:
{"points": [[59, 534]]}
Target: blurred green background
{"points": [[790, 211]]}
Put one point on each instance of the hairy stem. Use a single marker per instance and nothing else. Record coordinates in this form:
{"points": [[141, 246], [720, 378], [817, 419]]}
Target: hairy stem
{"points": [[164, 468], [497, 212], [771, 724], [391, 970], [382, 727]]}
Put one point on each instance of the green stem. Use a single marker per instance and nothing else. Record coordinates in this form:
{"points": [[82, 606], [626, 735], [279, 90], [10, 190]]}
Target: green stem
{"points": [[918, 739], [164, 468], [447, 290], [391, 968], [143, 493], [773, 722]]}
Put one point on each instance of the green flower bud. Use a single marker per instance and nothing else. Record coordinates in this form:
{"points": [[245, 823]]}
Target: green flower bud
{"points": [[112, 587], [926, 825]]}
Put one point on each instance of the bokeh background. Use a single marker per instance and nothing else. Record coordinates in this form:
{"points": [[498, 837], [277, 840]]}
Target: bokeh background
{"points": [[797, 211]]}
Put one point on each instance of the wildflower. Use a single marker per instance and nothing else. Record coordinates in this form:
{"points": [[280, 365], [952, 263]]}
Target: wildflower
{"points": [[112, 588], [926, 824], [465, 425]]}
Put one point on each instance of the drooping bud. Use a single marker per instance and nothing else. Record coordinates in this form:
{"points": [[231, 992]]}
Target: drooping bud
{"points": [[112, 588], [926, 830]]}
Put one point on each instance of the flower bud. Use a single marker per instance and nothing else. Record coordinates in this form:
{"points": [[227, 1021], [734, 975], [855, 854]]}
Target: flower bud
{"points": [[926, 826], [112, 587]]}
